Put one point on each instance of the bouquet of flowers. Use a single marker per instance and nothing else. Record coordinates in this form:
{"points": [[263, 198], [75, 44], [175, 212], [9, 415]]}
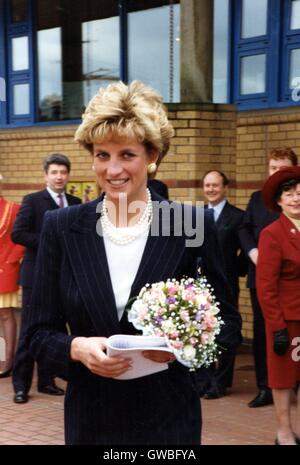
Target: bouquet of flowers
{"points": [[185, 314]]}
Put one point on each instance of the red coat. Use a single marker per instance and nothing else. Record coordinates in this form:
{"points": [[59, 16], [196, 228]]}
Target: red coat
{"points": [[278, 273], [10, 253]]}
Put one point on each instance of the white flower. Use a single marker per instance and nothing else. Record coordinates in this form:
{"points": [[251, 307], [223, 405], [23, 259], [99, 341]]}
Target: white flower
{"points": [[187, 317], [189, 352], [168, 326]]}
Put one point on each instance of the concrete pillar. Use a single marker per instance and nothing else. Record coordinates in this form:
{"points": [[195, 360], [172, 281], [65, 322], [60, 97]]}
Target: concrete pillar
{"points": [[72, 60], [196, 50]]}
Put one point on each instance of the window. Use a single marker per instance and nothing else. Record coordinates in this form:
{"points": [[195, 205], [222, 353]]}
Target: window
{"points": [[52, 66], [266, 60], [156, 24], [78, 47], [254, 24]]}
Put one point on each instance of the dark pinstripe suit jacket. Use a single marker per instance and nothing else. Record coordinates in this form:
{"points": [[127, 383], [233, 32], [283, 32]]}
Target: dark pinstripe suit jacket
{"points": [[73, 285]]}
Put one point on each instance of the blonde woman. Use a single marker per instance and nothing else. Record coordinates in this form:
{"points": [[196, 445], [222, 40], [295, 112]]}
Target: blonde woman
{"points": [[93, 259]]}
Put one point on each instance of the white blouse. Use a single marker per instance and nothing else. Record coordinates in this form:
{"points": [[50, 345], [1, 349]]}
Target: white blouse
{"points": [[123, 264]]}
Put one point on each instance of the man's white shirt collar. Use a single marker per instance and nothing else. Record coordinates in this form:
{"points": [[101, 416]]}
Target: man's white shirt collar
{"points": [[218, 208], [54, 196]]}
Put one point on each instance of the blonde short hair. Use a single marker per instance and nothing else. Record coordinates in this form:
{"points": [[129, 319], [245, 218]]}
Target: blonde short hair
{"points": [[133, 111]]}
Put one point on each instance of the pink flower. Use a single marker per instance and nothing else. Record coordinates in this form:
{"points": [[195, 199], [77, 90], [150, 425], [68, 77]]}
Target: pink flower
{"points": [[176, 344], [142, 313], [204, 338], [184, 315], [173, 334], [173, 290], [160, 311], [209, 322], [189, 295]]}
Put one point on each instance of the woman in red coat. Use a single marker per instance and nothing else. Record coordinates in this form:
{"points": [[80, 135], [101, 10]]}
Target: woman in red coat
{"points": [[10, 256], [278, 286]]}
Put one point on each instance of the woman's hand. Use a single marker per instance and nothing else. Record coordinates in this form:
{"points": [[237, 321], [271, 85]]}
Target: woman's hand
{"points": [[91, 352], [253, 254], [159, 356]]}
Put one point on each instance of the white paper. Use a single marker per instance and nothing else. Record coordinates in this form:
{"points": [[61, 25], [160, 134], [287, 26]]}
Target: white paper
{"points": [[132, 347]]}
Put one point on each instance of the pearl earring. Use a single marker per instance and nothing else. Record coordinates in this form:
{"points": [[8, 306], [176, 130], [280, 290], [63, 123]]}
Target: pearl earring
{"points": [[152, 167], [93, 167]]}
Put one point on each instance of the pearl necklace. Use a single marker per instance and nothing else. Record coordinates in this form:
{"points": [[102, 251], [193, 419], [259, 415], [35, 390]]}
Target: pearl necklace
{"points": [[123, 236]]}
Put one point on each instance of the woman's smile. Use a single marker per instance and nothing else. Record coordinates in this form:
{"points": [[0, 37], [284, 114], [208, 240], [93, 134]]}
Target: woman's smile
{"points": [[121, 167]]}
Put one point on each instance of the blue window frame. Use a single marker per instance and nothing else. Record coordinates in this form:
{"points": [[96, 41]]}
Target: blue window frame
{"points": [[290, 49], [280, 45], [16, 67], [251, 48]]}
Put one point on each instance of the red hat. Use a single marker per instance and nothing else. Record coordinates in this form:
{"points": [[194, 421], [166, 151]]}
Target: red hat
{"points": [[272, 184]]}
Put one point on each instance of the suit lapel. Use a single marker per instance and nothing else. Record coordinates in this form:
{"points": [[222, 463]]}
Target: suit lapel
{"points": [[71, 199], [224, 218], [88, 260], [162, 253], [159, 261], [290, 231], [49, 200]]}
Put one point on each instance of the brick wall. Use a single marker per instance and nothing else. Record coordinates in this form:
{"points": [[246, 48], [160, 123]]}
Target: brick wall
{"points": [[257, 133], [206, 136]]}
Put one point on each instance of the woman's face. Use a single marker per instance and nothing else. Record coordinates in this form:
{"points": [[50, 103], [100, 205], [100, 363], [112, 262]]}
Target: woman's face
{"points": [[121, 168], [290, 202]]}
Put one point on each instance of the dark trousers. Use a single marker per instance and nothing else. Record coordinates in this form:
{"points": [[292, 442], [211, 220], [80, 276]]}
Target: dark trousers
{"points": [[259, 343], [218, 376], [24, 362], [223, 376]]}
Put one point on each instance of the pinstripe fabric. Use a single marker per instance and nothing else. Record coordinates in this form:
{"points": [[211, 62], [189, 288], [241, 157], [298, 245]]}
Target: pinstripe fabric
{"points": [[73, 285], [26, 231]]}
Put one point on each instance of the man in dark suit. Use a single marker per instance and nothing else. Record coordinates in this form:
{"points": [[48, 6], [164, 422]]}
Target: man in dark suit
{"points": [[26, 231], [227, 220], [256, 218]]}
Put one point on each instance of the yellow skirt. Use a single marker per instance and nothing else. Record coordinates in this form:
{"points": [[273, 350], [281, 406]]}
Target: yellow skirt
{"points": [[9, 300]]}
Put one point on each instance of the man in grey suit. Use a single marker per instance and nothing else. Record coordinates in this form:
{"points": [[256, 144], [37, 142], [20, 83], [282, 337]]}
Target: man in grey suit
{"points": [[26, 231]]}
